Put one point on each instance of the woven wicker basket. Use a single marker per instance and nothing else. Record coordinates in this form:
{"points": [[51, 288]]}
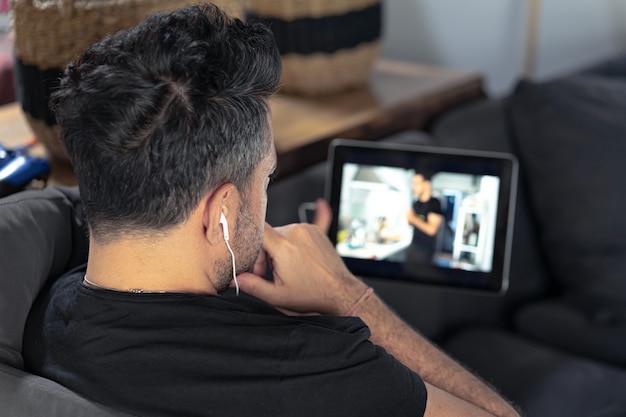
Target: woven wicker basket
{"points": [[327, 46], [49, 34]]}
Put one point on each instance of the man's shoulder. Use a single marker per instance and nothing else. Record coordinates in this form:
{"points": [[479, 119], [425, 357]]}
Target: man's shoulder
{"points": [[434, 205], [61, 292]]}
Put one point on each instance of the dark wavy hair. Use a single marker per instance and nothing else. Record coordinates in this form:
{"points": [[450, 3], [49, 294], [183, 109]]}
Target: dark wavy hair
{"points": [[156, 116]]}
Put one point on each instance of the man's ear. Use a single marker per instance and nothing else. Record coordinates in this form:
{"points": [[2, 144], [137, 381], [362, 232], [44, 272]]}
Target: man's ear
{"points": [[223, 199]]}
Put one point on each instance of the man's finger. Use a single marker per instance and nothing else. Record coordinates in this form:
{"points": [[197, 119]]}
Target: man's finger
{"points": [[272, 240], [270, 236], [260, 266], [259, 287]]}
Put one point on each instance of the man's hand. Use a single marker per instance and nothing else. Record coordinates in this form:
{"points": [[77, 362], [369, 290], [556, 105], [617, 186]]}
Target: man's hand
{"points": [[309, 275]]}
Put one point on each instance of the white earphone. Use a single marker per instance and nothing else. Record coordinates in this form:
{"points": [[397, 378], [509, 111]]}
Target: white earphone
{"points": [[224, 224]]}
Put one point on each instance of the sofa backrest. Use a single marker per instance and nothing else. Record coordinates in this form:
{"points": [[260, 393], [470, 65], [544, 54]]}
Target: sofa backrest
{"points": [[571, 139], [41, 236]]}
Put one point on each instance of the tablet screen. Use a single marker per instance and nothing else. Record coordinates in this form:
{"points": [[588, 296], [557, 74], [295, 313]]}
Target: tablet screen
{"points": [[423, 214]]}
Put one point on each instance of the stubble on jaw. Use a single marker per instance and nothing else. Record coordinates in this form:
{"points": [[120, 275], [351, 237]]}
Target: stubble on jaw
{"points": [[249, 243]]}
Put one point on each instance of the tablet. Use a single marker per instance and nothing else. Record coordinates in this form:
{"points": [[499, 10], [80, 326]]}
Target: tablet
{"points": [[423, 214]]}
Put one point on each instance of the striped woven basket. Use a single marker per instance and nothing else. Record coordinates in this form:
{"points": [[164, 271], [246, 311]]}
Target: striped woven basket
{"points": [[50, 33], [327, 46]]}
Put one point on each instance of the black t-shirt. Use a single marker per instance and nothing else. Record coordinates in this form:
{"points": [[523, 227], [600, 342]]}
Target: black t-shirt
{"points": [[422, 209], [193, 355]]}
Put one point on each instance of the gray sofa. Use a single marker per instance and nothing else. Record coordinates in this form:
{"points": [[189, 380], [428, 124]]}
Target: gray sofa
{"points": [[41, 236], [564, 339], [554, 343]]}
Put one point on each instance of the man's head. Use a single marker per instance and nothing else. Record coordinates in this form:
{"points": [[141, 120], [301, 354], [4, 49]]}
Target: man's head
{"points": [[419, 185], [156, 117]]}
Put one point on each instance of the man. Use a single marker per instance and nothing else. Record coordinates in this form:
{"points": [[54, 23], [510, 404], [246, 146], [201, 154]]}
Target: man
{"points": [[425, 216], [169, 131]]}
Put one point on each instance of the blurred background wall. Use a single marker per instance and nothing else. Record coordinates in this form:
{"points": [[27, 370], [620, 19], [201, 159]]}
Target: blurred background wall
{"points": [[490, 36]]}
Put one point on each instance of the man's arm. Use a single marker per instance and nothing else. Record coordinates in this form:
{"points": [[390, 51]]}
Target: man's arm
{"points": [[430, 226], [430, 363], [309, 276]]}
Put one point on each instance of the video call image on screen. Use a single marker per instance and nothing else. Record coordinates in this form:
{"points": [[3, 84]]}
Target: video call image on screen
{"points": [[399, 215]]}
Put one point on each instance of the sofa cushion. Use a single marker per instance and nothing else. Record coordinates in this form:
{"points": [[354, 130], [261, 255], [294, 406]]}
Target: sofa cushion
{"points": [[615, 67], [542, 380], [571, 140], [41, 238], [26, 395], [585, 325]]}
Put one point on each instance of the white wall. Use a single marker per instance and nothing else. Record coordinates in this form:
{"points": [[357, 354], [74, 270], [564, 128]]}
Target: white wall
{"points": [[489, 35], [576, 33]]}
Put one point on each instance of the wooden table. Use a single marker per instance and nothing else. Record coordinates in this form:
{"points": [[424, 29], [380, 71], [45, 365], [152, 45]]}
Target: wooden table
{"points": [[400, 96]]}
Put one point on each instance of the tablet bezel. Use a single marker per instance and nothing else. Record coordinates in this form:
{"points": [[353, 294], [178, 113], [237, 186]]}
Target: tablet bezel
{"points": [[505, 166]]}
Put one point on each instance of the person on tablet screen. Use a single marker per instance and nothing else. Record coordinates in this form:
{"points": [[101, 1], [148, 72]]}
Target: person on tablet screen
{"points": [[426, 217]]}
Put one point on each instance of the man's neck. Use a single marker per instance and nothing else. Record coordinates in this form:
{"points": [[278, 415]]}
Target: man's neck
{"points": [[147, 265]]}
